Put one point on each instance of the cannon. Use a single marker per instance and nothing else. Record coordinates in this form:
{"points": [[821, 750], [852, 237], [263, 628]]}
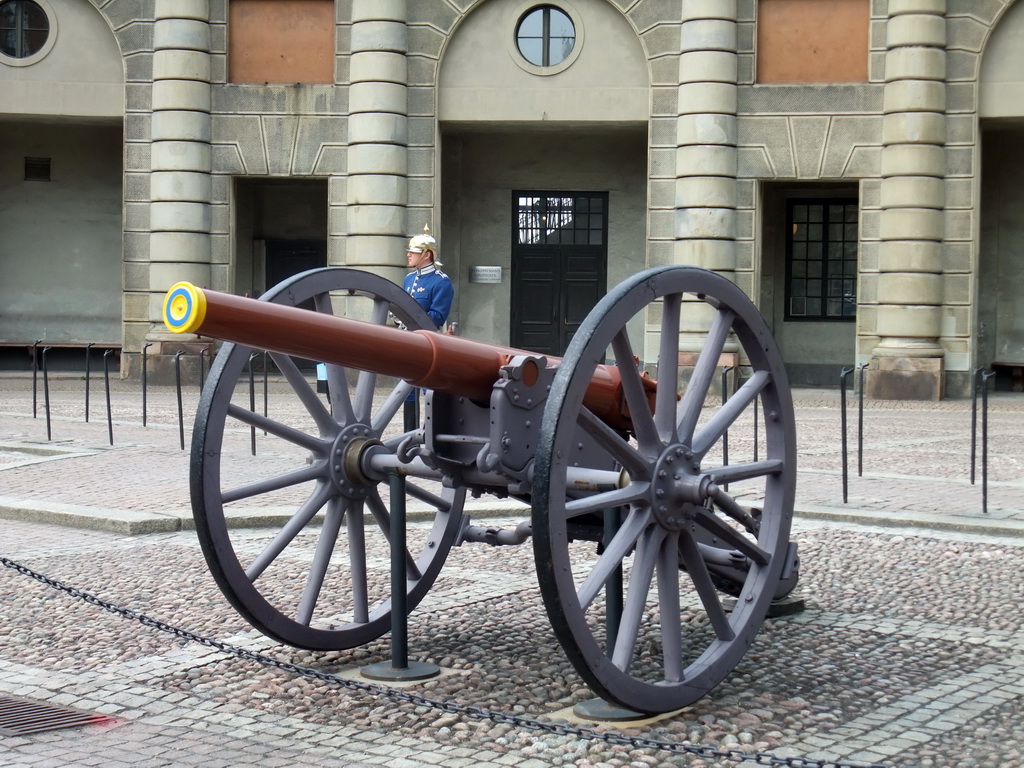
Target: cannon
{"points": [[657, 557]]}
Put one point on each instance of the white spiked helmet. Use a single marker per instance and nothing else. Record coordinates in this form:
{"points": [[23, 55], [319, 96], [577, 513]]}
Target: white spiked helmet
{"points": [[424, 242]]}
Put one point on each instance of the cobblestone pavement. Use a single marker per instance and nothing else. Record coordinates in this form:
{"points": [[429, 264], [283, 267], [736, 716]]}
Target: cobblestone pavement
{"points": [[909, 653]]}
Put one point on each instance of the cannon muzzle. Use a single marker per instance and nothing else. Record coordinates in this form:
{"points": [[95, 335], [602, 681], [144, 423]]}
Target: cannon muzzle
{"points": [[449, 364]]}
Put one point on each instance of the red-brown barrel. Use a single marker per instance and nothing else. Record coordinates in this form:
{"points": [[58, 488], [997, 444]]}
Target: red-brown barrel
{"points": [[450, 364]]}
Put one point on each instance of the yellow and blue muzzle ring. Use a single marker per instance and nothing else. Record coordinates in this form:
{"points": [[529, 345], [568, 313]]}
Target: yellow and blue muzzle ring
{"points": [[184, 308]]}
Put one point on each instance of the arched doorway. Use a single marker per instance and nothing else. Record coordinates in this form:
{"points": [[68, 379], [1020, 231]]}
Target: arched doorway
{"points": [[999, 301], [559, 132]]}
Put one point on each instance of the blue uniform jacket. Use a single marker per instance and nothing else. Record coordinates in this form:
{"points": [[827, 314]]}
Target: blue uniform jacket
{"points": [[432, 290]]}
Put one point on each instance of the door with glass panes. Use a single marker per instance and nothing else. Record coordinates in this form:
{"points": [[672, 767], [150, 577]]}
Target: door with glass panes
{"points": [[559, 265]]}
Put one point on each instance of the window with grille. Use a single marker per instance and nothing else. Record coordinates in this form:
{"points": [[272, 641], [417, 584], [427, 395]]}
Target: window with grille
{"points": [[576, 220], [821, 259]]}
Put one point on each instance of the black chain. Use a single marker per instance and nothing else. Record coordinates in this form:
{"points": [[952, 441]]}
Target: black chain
{"points": [[473, 713]]}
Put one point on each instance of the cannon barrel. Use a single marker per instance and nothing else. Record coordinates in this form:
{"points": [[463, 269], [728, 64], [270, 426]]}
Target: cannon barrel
{"points": [[449, 364]]}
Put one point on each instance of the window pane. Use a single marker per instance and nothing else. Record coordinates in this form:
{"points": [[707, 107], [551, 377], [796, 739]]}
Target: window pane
{"points": [[532, 50], [813, 308], [561, 24], [35, 17], [532, 24], [558, 49], [33, 42], [815, 213]]}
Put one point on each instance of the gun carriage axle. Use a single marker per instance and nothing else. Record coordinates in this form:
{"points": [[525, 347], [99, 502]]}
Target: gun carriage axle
{"points": [[601, 454]]}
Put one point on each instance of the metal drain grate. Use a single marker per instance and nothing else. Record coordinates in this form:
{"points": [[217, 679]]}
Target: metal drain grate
{"points": [[20, 716]]}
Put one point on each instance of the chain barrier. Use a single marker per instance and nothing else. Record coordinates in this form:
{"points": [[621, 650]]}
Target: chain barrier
{"points": [[471, 712]]}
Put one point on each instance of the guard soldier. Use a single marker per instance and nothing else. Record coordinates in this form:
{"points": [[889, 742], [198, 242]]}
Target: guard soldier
{"points": [[429, 286]]}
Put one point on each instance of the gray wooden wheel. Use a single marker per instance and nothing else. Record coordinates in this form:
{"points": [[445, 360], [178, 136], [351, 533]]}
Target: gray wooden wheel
{"points": [[679, 530], [290, 580]]}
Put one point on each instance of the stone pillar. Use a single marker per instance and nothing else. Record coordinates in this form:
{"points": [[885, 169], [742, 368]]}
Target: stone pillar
{"points": [[908, 361], [705, 201], [377, 187], [180, 183]]}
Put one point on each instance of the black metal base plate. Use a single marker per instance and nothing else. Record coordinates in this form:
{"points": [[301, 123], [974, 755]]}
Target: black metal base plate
{"points": [[601, 711], [416, 670]]}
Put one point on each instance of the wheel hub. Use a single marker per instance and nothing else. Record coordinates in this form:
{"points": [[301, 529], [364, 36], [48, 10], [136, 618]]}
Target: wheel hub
{"points": [[345, 465], [677, 491]]}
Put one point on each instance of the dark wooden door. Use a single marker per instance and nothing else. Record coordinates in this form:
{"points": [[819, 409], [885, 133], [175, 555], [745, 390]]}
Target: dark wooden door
{"points": [[559, 266], [289, 257]]}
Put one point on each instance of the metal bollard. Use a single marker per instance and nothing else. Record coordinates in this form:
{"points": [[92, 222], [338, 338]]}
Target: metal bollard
{"points": [[842, 407], [35, 369], [145, 377], [88, 365], [725, 435], [860, 421], [252, 405], [46, 393], [985, 376], [974, 420], [106, 382], [177, 383]]}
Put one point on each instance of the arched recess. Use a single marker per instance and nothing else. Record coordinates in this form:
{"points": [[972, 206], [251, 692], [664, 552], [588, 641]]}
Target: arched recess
{"points": [[61, 213], [1000, 286], [576, 131]]}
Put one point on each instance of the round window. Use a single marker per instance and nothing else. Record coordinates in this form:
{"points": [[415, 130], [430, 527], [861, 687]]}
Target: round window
{"points": [[545, 36], [24, 28]]}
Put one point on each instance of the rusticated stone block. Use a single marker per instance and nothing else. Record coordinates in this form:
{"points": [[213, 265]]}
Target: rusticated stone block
{"points": [[905, 378]]}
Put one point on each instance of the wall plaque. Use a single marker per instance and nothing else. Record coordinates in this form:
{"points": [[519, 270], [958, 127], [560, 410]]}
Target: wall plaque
{"points": [[485, 274]]}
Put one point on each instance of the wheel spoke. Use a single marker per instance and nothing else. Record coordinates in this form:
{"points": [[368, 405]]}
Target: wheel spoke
{"points": [[636, 596], [633, 391], [390, 407], [321, 560], [709, 522], [314, 405], [314, 472], [367, 381], [668, 370], [612, 442], [668, 608], [289, 531], [620, 497], [355, 523], [729, 412], [703, 372], [383, 518], [337, 378], [698, 571], [421, 494], [614, 553], [747, 471], [277, 429], [728, 504]]}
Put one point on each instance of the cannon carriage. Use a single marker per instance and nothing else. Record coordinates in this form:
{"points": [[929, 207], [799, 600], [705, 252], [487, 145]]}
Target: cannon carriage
{"points": [[656, 557]]}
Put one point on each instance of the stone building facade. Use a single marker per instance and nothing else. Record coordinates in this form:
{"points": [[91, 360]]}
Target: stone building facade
{"points": [[850, 163]]}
